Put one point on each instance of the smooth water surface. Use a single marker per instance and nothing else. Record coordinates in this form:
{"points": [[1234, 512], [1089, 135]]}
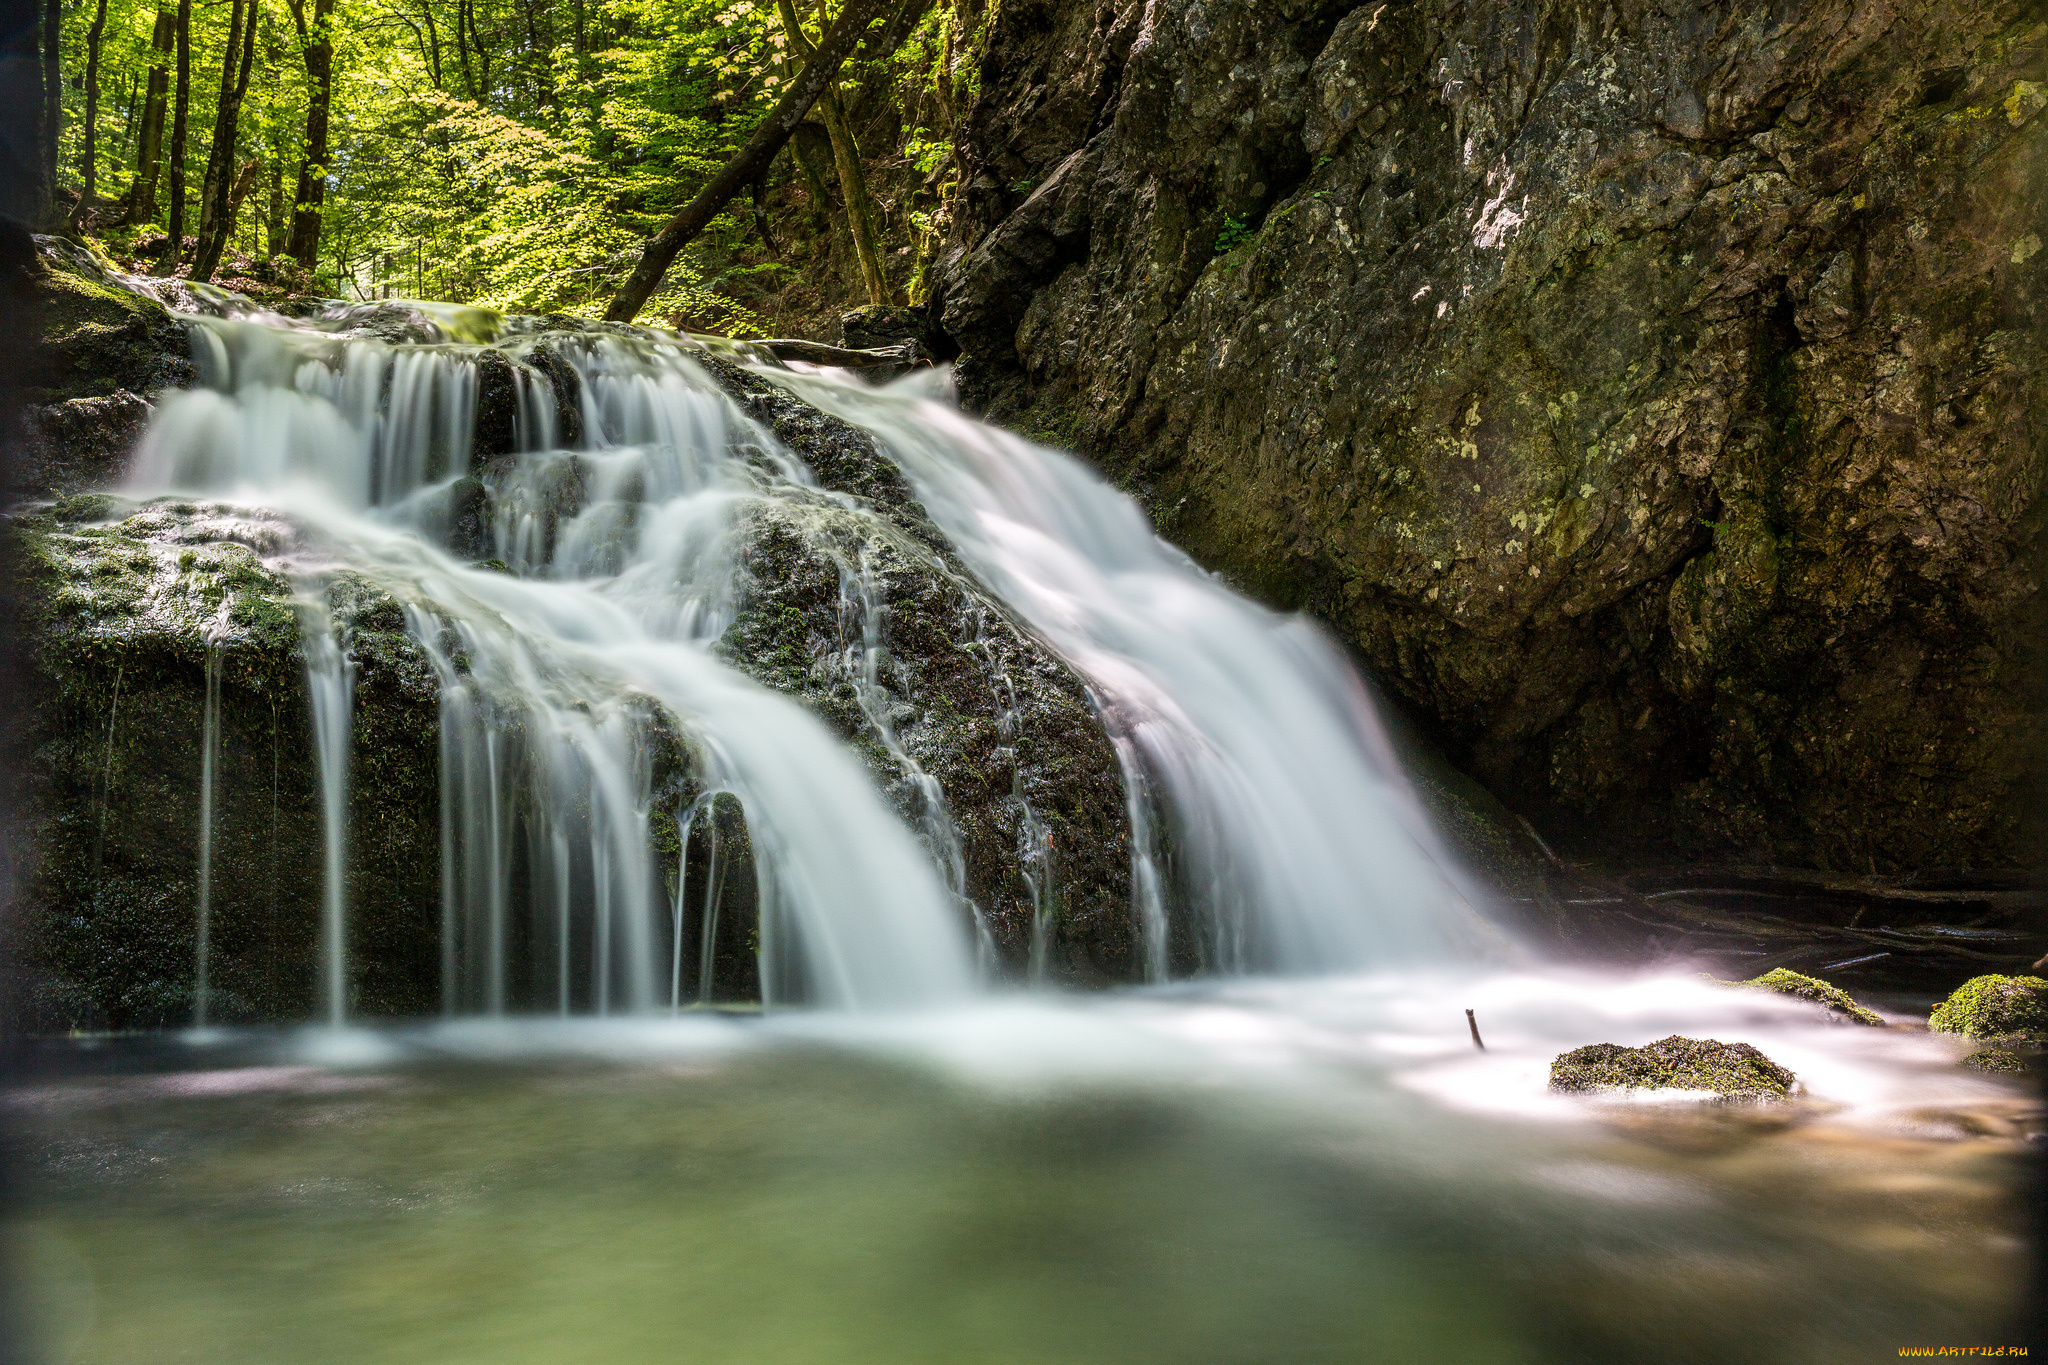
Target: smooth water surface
{"points": [[1262, 1172]]}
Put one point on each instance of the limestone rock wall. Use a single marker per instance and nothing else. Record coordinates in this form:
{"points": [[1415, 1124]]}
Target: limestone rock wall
{"points": [[1650, 391]]}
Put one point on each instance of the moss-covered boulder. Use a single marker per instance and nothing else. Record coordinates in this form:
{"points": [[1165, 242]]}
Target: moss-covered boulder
{"points": [[1730, 1070], [1838, 1002], [1994, 1006], [2011, 1054]]}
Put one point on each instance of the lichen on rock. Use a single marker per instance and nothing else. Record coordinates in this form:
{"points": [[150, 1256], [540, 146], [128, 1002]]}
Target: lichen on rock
{"points": [[1730, 1070]]}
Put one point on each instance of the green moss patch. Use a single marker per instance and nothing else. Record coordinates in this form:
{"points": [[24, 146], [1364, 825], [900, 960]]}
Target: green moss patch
{"points": [[1730, 1070], [1815, 991], [1993, 1006]]}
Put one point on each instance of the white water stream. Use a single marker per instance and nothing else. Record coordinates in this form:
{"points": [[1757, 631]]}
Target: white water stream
{"points": [[1294, 845]]}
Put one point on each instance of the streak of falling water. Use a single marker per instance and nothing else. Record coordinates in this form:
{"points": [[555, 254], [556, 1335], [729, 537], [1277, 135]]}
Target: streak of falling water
{"points": [[863, 617], [330, 682], [1148, 893], [714, 890], [209, 776], [1297, 845]]}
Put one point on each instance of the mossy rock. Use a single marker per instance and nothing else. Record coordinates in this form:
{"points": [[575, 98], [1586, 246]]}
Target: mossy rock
{"points": [[1730, 1070], [1815, 991], [1994, 1006], [2010, 1054]]}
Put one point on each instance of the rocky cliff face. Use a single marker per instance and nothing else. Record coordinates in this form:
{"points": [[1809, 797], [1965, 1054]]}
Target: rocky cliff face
{"points": [[1651, 392]]}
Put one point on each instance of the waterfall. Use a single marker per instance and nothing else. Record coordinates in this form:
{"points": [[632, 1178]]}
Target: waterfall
{"points": [[1296, 843], [554, 677], [1270, 828]]}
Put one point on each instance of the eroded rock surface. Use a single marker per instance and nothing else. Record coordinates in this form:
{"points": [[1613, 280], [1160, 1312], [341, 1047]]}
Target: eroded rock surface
{"points": [[1652, 393]]}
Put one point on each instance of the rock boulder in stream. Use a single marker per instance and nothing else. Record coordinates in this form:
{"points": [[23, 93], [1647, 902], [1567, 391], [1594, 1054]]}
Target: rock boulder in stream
{"points": [[1652, 393], [1734, 1071]]}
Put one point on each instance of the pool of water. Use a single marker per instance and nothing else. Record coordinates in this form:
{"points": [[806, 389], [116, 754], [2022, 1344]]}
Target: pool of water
{"points": [[1261, 1172]]}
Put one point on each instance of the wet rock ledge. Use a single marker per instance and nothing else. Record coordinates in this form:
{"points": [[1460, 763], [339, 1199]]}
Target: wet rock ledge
{"points": [[115, 601]]}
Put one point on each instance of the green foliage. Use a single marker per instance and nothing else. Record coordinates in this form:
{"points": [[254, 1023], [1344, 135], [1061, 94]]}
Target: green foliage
{"points": [[1994, 1006], [511, 155], [1233, 235]]}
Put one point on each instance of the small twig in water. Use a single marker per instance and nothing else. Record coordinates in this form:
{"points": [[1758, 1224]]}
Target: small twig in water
{"points": [[1473, 1024]]}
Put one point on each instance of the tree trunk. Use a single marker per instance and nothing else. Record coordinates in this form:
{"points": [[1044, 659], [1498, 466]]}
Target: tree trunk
{"points": [[149, 143], [53, 100], [853, 181], [853, 188], [737, 173], [223, 112], [434, 43], [168, 263], [89, 159], [757, 194], [813, 148], [219, 225], [312, 192], [462, 49]]}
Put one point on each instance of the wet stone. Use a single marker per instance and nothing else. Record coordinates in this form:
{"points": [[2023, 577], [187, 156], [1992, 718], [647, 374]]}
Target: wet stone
{"points": [[1730, 1070]]}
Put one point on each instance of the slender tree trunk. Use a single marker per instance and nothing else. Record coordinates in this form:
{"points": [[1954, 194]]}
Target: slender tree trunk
{"points": [[860, 205], [433, 41], [483, 55], [89, 158], [773, 131], [853, 182], [462, 49], [220, 159], [220, 169], [274, 235], [149, 143], [312, 192], [168, 263]]}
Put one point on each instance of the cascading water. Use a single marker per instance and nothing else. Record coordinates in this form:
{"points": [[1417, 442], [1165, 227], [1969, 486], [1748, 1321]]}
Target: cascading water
{"points": [[553, 675], [1290, 843], [1295, 840]]}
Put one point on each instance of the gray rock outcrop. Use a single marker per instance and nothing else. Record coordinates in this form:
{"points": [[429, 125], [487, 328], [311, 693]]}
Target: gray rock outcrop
{"points": [[1651, 392]]}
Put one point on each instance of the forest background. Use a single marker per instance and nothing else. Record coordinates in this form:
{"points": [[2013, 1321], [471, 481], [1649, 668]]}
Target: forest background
{"points": [[514, 154]]}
